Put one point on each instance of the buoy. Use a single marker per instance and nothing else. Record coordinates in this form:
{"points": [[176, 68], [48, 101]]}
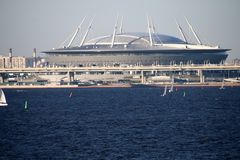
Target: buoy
{"points": [[184, 94]]}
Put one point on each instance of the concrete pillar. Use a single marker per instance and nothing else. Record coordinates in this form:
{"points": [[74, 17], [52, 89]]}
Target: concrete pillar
{"points": [[203, 79], [201, 76], [198, 72], [142, 77], [1, 78], [71, 76]]}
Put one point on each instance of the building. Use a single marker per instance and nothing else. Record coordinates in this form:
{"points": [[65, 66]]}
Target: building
{"points": [[136, 49], [12, 62]]}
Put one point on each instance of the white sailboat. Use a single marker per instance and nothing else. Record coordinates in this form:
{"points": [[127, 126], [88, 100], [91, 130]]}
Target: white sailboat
{"points": [[184, 94], [222, 86], [171, 88], [3, 101], [165, 91]]}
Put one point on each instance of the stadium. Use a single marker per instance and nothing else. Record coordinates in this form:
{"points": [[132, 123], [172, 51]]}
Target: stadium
{"points": [[136, 48]]}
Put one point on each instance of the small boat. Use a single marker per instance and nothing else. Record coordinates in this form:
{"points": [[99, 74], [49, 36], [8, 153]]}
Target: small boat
{"points": [[3, 101], [165, 91], [171, 88], [26, 105], [222, 86], [70, 95]]}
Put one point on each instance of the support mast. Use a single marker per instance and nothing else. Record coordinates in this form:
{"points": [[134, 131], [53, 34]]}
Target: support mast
{"points": [[194, 33], [121, 26], [181, 31], [76, 32], [114, 33], [86, 34], [153, 27], [149, 32]]}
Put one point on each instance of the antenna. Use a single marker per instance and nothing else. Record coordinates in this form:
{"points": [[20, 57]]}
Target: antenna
{"points": [[114, 32], [86, 34], [181, 31], [121, 26], [76, 32], [149, 32], [194, 33]]}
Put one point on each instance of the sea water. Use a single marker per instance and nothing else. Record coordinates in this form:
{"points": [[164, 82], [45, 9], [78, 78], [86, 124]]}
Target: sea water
{"points": [[121, 123]]}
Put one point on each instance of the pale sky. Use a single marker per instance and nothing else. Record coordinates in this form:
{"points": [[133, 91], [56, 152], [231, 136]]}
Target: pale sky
{"points": [[45, 24]]}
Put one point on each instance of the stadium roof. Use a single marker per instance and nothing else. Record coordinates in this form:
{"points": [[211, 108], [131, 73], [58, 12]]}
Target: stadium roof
{"points": [[136, 38]]}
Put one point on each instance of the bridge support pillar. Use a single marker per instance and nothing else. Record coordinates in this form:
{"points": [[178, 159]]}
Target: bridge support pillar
{"points": [[71, 76], [2, 78], [201, 76], [143, 78]]}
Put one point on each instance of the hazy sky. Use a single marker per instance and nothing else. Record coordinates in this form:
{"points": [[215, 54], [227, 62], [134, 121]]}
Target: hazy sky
{"points": [[45, 24]]}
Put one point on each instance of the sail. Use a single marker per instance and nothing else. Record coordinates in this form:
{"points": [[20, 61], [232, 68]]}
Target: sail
{"points": [[171, 89], [165, 91], [222, 86], [2, 97]]}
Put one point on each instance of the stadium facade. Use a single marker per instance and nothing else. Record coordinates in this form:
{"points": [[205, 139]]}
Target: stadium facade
{"points": [[136, 49]]}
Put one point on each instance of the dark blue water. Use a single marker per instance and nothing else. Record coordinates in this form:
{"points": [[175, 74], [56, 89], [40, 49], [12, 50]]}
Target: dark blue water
{"points": [[130, 123]]}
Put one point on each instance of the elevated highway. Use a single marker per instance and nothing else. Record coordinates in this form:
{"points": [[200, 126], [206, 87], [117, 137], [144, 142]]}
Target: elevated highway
{"points": [[120, 68]]}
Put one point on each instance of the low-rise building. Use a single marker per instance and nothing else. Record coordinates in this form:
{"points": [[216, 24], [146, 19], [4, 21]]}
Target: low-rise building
{"points": [[12, 62]]}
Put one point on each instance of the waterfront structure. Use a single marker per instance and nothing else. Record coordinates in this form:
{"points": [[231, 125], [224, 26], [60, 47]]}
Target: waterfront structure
{"points": [[35, 61], [136, 74], [135, 49]]}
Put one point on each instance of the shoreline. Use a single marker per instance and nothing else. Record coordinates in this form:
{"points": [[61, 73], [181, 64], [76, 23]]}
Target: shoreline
{"points": [[210, 84], [66, 86]]}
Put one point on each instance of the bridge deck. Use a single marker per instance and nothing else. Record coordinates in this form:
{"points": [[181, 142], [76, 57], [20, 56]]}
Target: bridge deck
{"points": [[120, 68]]}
